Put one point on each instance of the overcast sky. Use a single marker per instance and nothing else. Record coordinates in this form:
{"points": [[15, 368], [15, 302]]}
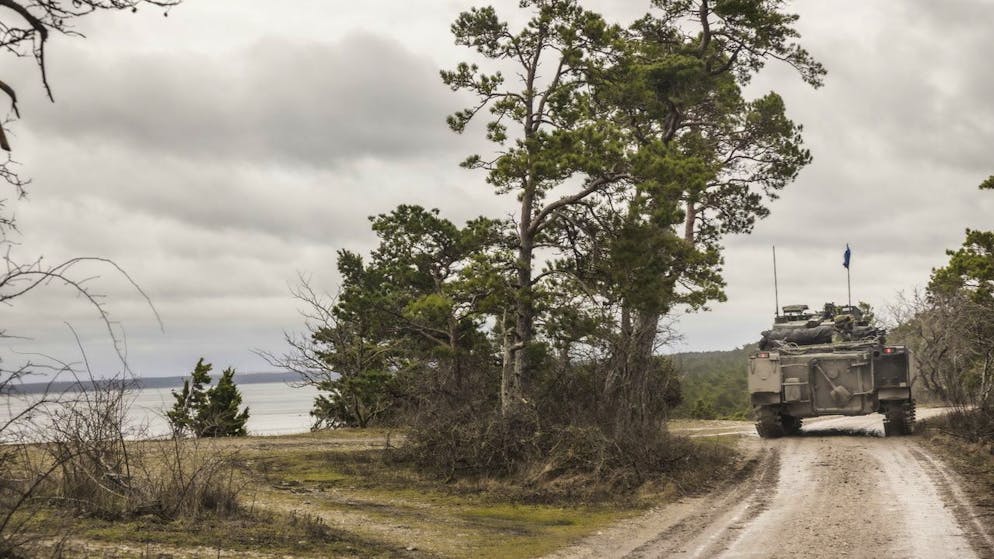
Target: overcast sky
{"points": [[217, 152]]}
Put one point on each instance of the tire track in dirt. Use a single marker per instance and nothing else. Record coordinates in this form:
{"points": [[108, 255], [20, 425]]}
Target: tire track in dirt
{"points": [[840, 490], [704, 534], [863, 496], [954, 495], [677, 527]]}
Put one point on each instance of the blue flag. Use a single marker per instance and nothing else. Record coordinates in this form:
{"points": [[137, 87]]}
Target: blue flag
{"points": [[845, 256]]}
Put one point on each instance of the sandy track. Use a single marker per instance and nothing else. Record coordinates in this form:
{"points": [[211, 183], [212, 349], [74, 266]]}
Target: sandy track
{"points": [[838, 491]]}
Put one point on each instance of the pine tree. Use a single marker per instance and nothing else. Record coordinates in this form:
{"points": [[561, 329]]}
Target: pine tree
{"points": [[219, 416], [204, 411], [193, 397]]}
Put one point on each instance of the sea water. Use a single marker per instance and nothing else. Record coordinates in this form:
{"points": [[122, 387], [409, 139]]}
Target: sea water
{"points": [[275, 408]]}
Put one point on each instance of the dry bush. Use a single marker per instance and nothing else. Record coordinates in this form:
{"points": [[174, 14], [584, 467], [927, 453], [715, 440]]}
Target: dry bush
{"points": [[972, 425], [75, 454], [20, 478], [24, 468], [565, 443], [104, 471], [85, 441], [466, 442], [188, 479]]}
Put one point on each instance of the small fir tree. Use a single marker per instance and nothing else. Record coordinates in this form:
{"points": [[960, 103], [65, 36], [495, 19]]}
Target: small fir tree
{"points": [[204, 411], [192, 398], [219, 417]]}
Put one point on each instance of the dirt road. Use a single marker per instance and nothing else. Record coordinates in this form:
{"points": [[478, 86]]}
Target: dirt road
{"points": [[840, 490]]}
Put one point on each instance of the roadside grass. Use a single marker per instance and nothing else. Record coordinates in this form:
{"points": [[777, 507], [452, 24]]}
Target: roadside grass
{"points": [[374, 495], [344, 494], [259, 533], [972, 459], [296, 534]]}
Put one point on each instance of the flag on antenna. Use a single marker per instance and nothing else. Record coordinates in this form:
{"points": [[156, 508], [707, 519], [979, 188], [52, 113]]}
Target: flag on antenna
{"points": [[845, 257]]}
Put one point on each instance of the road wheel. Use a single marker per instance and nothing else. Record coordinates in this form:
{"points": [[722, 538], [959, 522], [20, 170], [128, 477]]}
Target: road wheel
{"points": [[791, 424], [768, 423]]}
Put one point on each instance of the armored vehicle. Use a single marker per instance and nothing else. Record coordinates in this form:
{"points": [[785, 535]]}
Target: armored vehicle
{"points": [[831, 362]]}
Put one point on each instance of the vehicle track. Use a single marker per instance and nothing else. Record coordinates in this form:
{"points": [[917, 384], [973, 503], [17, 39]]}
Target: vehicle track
{"points": [[709, 531], [839, 490]]}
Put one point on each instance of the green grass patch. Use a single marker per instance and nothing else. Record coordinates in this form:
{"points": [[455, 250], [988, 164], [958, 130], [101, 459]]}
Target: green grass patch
{"points": [[515, 531], [477, 519], [298, 466], [264, 532]]}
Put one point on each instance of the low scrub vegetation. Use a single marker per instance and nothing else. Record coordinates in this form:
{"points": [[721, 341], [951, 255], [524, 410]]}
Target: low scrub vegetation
{"points": [[965, 440], [74, 457]]}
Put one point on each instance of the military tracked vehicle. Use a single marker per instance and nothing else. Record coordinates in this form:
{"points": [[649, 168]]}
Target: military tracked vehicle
{"points": [[831, 362]]}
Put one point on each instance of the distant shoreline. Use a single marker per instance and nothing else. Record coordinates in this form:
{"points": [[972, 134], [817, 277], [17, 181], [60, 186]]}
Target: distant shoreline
{"points": [[143, 383]]}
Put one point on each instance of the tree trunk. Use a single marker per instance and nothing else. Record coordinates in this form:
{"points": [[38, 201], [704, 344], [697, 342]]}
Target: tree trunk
{"points": [[524, 319], [628, 381], [507, 365], [627, 384]]}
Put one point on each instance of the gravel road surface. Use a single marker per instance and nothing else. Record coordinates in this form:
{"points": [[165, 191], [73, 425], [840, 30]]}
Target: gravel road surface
{"points": [[839, 490]]}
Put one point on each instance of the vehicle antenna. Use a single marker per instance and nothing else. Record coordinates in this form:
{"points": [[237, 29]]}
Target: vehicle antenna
{"points": [[776, 289]]}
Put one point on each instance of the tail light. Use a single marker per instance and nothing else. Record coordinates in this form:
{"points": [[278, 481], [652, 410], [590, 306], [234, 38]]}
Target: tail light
{"points": [[889, 350], [763, 355]]}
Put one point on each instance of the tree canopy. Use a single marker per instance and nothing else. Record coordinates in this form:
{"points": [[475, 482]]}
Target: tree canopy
{"points": [[970, 267], [631, 152]]}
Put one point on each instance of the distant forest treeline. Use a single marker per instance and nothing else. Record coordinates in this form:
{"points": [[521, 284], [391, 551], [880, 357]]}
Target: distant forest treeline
{"points": [[713, 384]]}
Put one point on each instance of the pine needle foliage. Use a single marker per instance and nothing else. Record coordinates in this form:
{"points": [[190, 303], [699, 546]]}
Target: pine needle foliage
{"points": [[204, 411]]}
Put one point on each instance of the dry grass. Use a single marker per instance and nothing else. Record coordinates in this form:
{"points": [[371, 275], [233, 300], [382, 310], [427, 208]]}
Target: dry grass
{"points": [[342, 494], [972, 460]]}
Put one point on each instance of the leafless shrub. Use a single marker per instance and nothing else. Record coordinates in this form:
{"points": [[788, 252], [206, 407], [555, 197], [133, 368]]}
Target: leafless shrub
{"points": [[565, 444], [106, 469], [951, 337], [24, 468], [186, 479], [972, 425], [76, 452], [86, 439], [303, 356]]}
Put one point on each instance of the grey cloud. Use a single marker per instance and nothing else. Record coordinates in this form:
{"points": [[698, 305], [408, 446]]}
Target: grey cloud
{"points": [[217, 166], [304, 205], [913, 81], [901, 133], [318, 104]]}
